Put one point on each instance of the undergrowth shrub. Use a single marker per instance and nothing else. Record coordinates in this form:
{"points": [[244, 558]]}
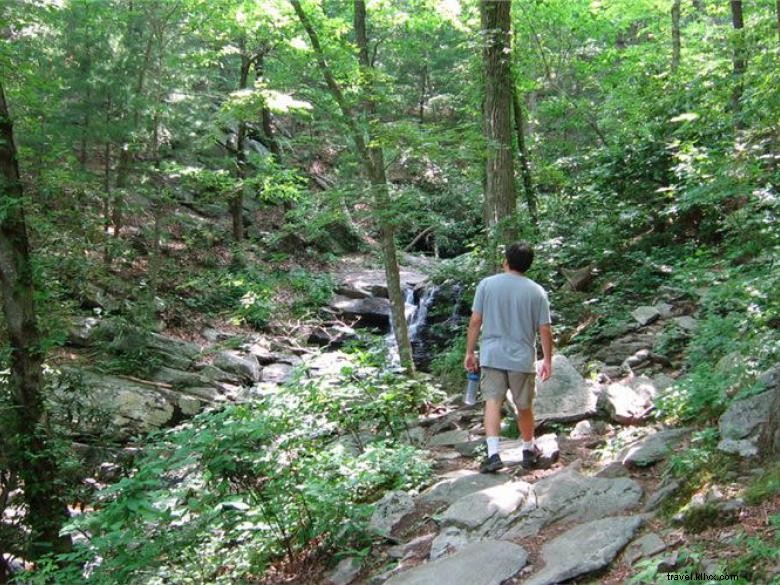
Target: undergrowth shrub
{"points": [[223, 495]]}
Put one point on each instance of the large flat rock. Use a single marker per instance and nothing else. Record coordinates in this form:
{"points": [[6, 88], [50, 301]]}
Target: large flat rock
{"points": [[519, 510], [369, 312], [584, 549], [490, 562], [652, 448], [372, 283], [566, 396], [459, 483]]}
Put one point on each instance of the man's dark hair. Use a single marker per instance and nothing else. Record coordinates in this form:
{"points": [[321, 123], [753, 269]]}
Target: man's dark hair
{"points": [[519, 256]]}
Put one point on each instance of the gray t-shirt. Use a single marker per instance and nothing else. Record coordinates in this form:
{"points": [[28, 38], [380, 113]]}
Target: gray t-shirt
{"points": [[513, 308]]}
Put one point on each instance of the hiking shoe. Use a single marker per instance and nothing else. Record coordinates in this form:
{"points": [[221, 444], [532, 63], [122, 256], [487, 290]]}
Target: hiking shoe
{"points": [[531, 457], [491, 464]]}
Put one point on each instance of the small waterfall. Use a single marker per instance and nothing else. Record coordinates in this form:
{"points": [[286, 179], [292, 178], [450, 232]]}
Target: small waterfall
{"points": [[416, 315]]}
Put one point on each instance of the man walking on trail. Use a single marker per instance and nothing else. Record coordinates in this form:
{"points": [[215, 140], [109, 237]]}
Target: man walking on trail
{"points": [[509, 308]]}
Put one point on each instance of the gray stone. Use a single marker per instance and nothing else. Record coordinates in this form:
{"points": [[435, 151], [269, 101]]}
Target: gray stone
{"points": [[459, 483], [370, 312], [584, 549], [213, 374], [644, 546], [568, 496], [620, 349], [742, 447], [389, 511], [345, 572], [582, 430], [177, 378], [490, 510], [172, 346], [645, 315], [664, 310], [565, 396], [663, 493], [245, 367], [614, 469], [277, 373], [82, 331], [469, 448], [629, 402], [686, 323], [372, 283], [490, 562], [652, 448], [418, 548], [743, 418], [449, 438]]}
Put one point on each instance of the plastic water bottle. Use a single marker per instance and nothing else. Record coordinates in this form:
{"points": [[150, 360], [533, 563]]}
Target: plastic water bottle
{"points": [[472, 385]]}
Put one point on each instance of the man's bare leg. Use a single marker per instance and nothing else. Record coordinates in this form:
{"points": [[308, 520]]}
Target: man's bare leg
{"points": [[493, 418], [525, 423]]}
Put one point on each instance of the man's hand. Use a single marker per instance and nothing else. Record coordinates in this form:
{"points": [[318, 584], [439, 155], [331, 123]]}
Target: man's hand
{"points": [[545, 371], [470, 362]]}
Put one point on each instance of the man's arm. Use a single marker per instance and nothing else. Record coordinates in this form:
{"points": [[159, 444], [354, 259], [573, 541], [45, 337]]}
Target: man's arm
{"points": [[475, 323], [545, 333]]}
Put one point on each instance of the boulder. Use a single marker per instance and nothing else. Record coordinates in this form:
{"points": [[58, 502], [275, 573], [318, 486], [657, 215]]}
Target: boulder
{"points": [[83, 330], [345, 572], [512, 451], [419, 548], [177, 378], [372, 283], [652, 448], [645, 315], [389, 511], [686, 323], [645, 546], [454, 437], [565, 396], [616, 352], [369, 312], [331, 336], [629, 402], [666, 490], [584, 549], [751, 424], [665, 310], [246, 367], [582, 430], [459, 483], [490, 562]]}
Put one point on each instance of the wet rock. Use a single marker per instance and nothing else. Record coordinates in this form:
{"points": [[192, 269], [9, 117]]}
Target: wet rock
{"points": [[490, 562], [584, 549], [369, 312], [652, 448], [459, 483], [645, 546], [389, 511], [645, 315], [345, 572], [245, 367], [372, 283], [565, 397]]}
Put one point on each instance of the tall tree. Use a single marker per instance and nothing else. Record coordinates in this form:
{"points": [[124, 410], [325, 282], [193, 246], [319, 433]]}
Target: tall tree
{"points": [[739, 59], [25, 436], [523, 156], [500, 201], [675, 35], [372, 158]]}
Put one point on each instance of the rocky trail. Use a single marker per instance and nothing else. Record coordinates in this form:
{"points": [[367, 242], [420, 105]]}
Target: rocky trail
{"points": [[590, 512]]}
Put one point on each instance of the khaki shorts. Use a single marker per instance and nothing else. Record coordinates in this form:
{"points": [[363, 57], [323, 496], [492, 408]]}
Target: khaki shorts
{"points": [[494, 384]]}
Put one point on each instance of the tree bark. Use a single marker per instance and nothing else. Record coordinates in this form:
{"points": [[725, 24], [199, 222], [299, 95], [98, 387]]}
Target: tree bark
{"points": [[500, 200], [769, 441], [740, 59], [522, 152], [24, 433], [373, 161], [676, 35], [236, 203], [777, 14]]}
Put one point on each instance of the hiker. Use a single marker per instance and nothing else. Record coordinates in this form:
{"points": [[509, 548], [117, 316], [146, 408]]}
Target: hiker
{"points": [[509, 308]]}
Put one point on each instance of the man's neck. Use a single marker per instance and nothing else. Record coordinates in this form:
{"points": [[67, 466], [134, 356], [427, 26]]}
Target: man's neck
{"points": [[508, 270]]}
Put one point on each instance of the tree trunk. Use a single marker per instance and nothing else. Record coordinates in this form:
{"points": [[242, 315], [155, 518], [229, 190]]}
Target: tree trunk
{"points": [[675, 35], [777, 13], [424, 90], [740, 60], [24, 430], [500, 200], [522, 151], [373, 162], [237, 198], [769, 441]]}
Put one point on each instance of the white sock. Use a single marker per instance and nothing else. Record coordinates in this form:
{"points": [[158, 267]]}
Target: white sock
{"points": [[492, 446], [528, 445]]}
